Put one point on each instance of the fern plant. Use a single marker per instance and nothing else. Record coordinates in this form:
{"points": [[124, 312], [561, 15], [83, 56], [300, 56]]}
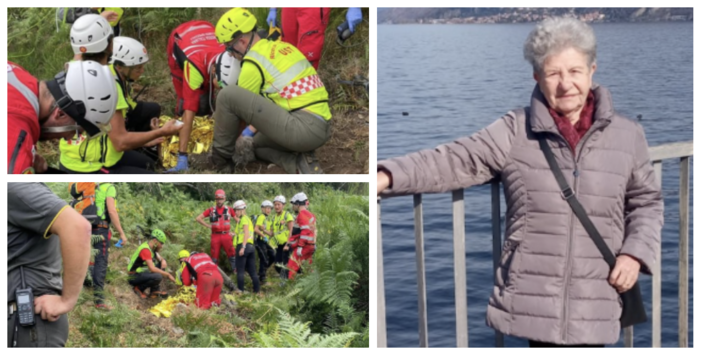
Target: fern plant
{"points": [[289, 333]]}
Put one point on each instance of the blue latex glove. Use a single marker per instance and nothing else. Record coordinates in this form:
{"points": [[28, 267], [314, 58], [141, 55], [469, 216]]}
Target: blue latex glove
{"points": [[181, 166], [265, 239], [119, 244], [271, 17], [353, 17], [247, 132]]}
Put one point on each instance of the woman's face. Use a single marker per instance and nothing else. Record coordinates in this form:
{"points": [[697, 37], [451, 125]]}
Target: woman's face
{"points": [[565, 80], [135, 72]]}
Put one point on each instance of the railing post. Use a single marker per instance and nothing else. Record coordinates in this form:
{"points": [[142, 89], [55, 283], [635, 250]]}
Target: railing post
{"points": [[459, 268], [683, 263], [421, 274], [496, 243], [656, 280], [382, 330]]}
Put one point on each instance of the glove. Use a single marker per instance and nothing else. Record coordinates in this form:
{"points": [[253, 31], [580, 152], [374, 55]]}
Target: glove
{"points": [[353, 17], [271, 17], [265, 239], [119, 244], [299, 251], [247, 132], [181, 166]]}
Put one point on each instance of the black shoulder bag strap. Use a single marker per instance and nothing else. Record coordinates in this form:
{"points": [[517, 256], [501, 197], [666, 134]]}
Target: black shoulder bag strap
{"points": [[633, 311]]}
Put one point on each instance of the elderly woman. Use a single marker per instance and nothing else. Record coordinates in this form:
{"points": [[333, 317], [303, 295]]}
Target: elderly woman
{"points": [[553, 286]]}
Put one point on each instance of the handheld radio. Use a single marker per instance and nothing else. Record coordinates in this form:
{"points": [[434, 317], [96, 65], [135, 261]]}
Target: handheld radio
{"points": [[25, 303]]}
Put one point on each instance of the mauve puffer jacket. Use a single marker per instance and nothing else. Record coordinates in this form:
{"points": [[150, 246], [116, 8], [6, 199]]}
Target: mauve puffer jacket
{"points": [[551, 284]]}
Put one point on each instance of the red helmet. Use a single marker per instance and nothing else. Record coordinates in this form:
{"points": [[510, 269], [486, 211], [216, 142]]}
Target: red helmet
{"points": [[220, 193]]}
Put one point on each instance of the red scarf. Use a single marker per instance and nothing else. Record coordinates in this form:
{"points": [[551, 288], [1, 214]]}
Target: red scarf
{"points": [[571, 133]]}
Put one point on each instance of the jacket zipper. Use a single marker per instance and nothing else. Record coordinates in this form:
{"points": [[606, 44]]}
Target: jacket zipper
{"points": [[576, 174]]}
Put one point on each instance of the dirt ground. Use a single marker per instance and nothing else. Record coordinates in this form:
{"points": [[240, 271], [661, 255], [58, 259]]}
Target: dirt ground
{"points": [[346, 152]]}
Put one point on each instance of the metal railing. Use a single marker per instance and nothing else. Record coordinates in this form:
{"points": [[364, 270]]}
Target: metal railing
{"points": [[680, 150]]}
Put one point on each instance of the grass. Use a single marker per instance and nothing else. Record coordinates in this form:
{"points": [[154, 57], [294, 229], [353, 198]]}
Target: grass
{"points": [[35, 44], [323, 307]]}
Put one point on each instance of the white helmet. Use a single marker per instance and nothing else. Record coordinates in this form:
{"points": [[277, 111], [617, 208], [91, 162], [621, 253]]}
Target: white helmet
{"points": [[90, 34], [239, 205], [299, 198], [279, 198], [87, 93], [227, 69], [129, 51], [267, 203]]}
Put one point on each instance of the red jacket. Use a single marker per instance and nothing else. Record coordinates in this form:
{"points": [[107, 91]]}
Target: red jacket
{"points": [[195, 42], [195, 265], [23, 119], [304, 220]]}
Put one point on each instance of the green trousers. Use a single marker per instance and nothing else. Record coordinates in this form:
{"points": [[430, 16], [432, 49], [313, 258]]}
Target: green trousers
{"points": [[281, 134]]}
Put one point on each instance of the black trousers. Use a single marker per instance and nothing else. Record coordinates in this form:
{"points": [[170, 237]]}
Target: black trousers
{"points": [[539, 344], [266, 258], [246, 264], [281, 258], [100, 266], [144, 280], [139, 119], [132, 162], [43, 334]]}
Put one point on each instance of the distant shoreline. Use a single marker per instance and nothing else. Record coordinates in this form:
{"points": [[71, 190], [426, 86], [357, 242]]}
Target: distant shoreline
{"points": [[530, 15], [520, 22]]}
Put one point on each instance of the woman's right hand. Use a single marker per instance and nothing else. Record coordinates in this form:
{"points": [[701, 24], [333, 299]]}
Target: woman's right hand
{"points": [[383, 181]]}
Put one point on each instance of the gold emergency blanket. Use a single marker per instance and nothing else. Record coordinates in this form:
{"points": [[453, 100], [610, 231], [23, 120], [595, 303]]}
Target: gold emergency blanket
{"points": [[200, 140], [164, 308]]}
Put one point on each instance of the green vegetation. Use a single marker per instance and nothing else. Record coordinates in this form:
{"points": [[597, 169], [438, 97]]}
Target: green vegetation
{"points": [[34, 43], [323, 307]]}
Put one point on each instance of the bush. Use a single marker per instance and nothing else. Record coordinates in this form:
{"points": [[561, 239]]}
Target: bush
{"points": [[331, 298]]}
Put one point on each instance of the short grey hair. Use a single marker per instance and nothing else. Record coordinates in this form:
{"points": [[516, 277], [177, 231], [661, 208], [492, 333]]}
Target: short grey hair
{"points": [[555, 34]]}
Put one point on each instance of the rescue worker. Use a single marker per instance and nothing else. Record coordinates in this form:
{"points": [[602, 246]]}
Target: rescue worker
{"points": [[263, 230], [54, 109], [42, 231], [106, 202], [304, 28], [192, 50], [114, 153], [278, 93], [246, 257], [303, 243], [128, 62], [143, 270], [200, 269], [220, 223], [282, 230]]}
